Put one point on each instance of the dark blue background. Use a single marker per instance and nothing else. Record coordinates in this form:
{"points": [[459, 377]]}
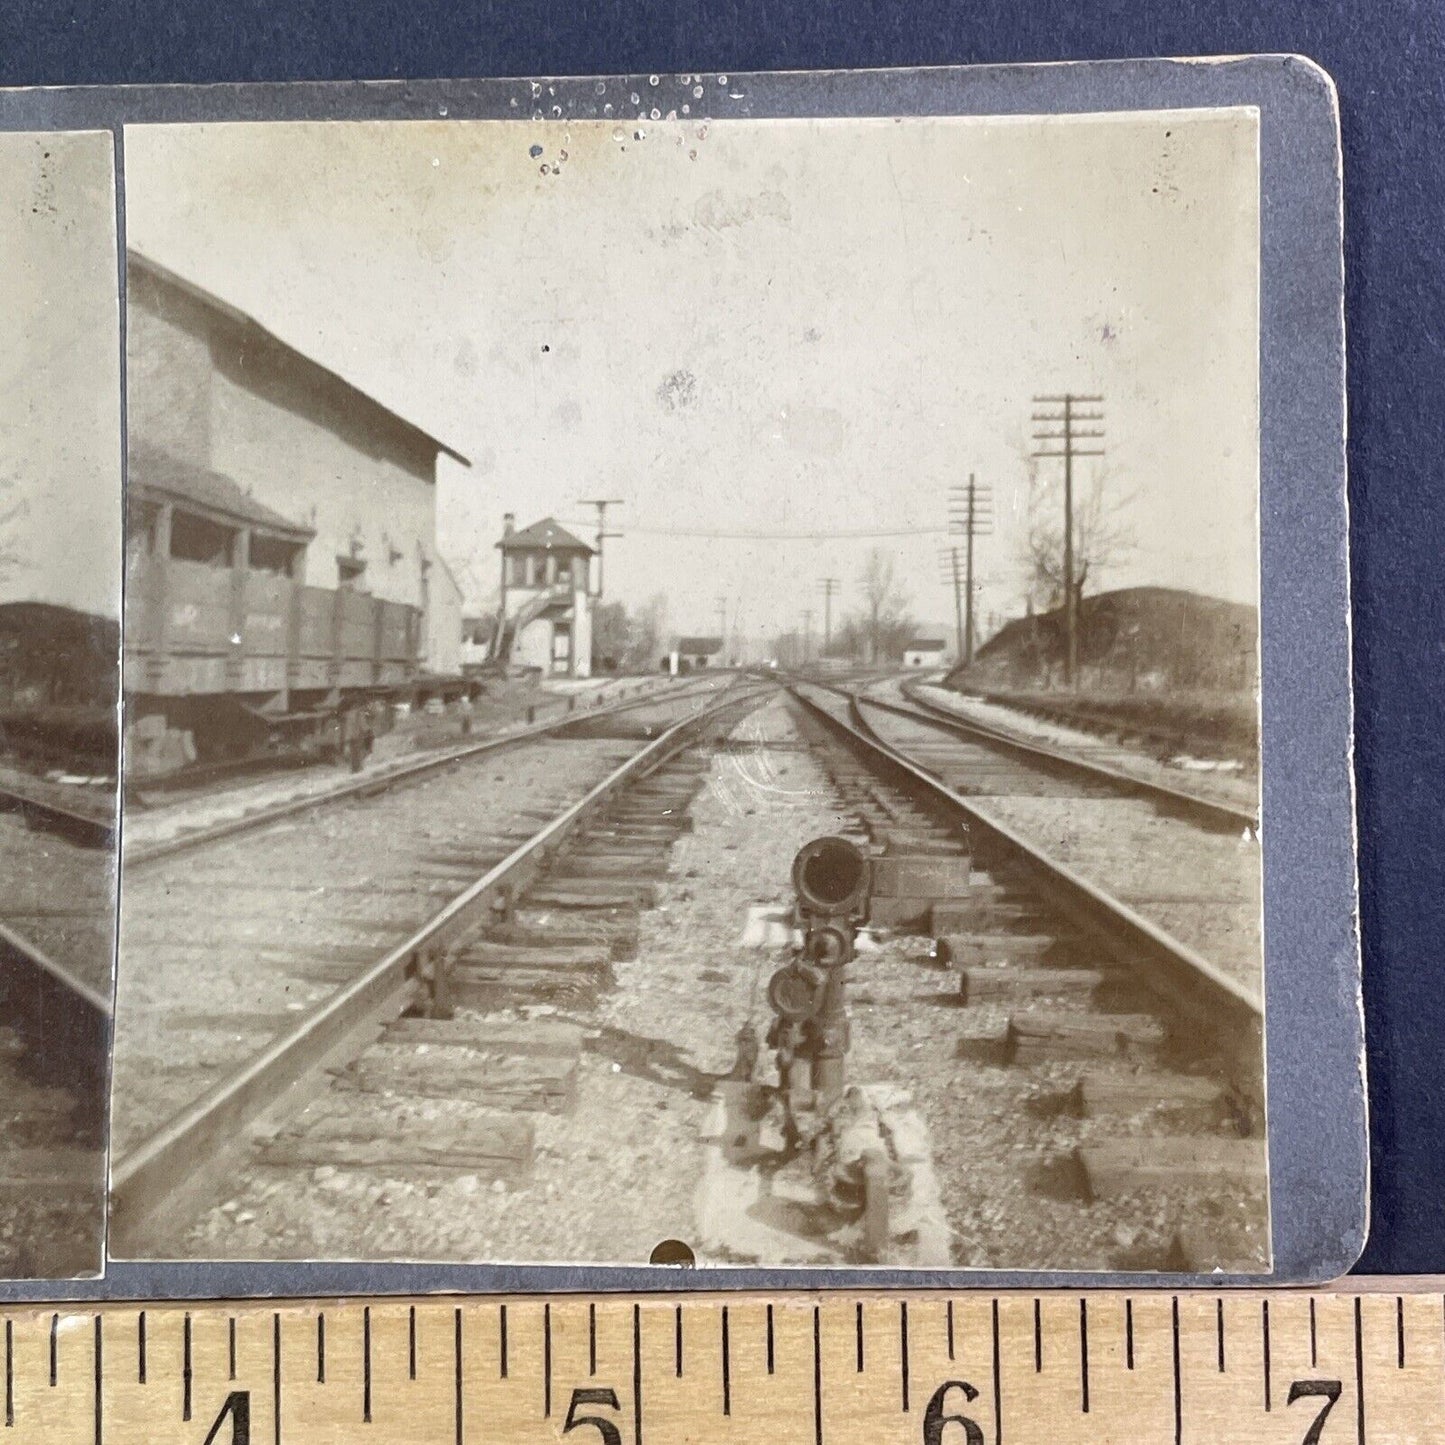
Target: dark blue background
{"points": [[1388, 58]]}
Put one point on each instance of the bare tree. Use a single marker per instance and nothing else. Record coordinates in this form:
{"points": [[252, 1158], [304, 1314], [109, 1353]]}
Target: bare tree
{"points": [[648, 632], [12, 509], [612, 632], [1102, 538], [885, 602]]}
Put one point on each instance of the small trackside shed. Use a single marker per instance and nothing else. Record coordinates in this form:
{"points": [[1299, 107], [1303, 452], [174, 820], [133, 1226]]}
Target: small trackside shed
{"points": [[924, 652]]}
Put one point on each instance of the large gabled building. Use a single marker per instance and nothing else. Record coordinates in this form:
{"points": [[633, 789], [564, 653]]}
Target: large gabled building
{"points": [[244, 451]]}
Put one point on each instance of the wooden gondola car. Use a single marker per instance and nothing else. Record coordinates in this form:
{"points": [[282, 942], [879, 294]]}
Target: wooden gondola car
{"points": [[227, 653]]}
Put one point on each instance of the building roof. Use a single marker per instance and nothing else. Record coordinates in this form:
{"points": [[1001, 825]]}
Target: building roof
{"points": [[212, 493], [699, 646], [925, 644], [145, 263], [548, 534]]}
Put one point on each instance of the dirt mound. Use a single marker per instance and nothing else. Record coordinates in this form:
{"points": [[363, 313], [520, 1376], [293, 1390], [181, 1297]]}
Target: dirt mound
{"points": [[1137, 639]]}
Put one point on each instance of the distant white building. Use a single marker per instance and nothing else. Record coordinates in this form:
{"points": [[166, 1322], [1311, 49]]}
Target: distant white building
{"points": [[924, 652], [546, 607], [693, 653]]}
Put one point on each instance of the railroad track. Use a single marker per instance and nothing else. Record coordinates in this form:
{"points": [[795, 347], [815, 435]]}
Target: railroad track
{"points": [[1088, 771], [56, 927], [195, 779], [308, 1051], [71, 812], [1143, 1053], [1078, 716], [1201, 885], [379, 779], [1091, 1086]]}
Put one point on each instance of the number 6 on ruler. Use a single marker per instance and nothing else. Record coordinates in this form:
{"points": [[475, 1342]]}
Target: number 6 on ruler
{"points": [[934, 1419]]}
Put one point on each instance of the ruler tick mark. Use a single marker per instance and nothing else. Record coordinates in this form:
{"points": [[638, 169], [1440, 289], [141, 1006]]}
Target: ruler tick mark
{"points": [[1178, 1384], [1219, 1330], [592, 1338], [366, 1365], [903, 1350], [1399, 1332], [546, 1361], [1038, 1340], [1314, 1350], [1084, 1354], [948, 1317], [276, 1375], [502, 1339], [99, 1377], [140, 1348], [1264, 1329], [231, 1348], [770, 1339], [186, 1367], [726, 1363], [9, 1374], [817, 1378], [1129, 1333], [997, 1380], [1359, 1378], [636, 1375], [411, 1343], [858, 1334], [54, 1348], [321, 1349], [457, 1367]]}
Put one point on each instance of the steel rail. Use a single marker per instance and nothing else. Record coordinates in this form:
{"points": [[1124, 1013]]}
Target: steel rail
{"points": [[142, 856], [189, 1143], [91, 827], [1213, 813], [67, 1019], [1161, 962]]}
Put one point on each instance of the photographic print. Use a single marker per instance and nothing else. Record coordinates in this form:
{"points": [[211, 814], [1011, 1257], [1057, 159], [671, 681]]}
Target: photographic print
{"points": [[60, 524], [692, 693]]}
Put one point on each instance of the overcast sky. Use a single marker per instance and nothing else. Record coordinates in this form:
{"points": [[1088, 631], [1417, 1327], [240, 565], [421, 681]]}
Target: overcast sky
{"points": [[60, 462], [785, 327]]}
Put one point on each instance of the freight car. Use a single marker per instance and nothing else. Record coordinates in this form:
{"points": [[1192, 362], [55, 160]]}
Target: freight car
{"points": [[228, 654], [59, 670]]}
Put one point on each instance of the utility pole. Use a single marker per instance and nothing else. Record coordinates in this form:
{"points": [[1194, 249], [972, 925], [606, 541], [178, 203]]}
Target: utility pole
{"points": [[602, 504], [807, 632], [1065, 412], [970, 515], [953, 577], [830, 587]]}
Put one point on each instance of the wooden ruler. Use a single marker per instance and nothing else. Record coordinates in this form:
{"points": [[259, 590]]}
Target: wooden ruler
{"points": [[1283, 1367]]}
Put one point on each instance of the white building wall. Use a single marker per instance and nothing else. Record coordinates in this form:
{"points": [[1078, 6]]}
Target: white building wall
{"points": [[308, 473], [443, 621], [298, 442], [581, 633]]}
